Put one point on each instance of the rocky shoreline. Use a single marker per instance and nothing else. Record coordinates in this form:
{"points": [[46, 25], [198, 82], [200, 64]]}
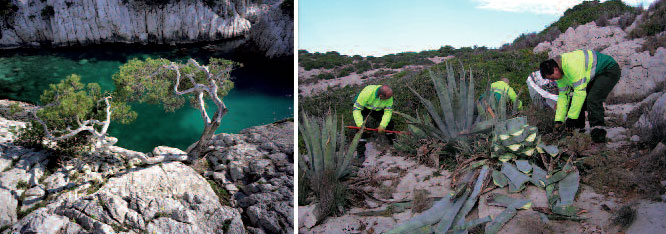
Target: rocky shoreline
{"points": [[109, 194]]}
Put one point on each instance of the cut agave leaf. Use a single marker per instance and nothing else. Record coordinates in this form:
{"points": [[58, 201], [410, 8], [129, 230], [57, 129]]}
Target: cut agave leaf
{"points": [[498, 199], [472, 223], [499, 179], [550, 194], [524, 166], [426, 218], [450, 214], [517, 133], [538, 176], [515, 188], [551, 149], [514, 147], [540, 148], [528, 152], [507, 157], [500, 220], [559, 175], [567, 210], [471, 201], [568, 187], [531, 137], [516, 178]]}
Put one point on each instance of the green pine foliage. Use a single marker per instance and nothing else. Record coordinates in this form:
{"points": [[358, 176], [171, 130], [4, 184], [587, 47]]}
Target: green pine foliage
{"points": [[66, 104], [148, 81]]}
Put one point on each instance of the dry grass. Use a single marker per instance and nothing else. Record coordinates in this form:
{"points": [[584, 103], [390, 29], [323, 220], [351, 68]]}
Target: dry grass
{"points": [[624, 216], [421, 201], [650, 171], [532, 224], [542, 118], [577, 143], [386, 191], [331, 195], [606, 171], [201, 165]]}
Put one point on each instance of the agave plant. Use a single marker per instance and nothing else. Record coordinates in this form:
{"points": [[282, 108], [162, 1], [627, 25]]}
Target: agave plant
{"points": [[513, 139], [454, 117], [327, 151]]}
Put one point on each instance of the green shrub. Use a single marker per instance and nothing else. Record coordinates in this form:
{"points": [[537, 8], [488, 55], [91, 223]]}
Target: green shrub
{"points": [[652, 43], [317, 60], [653, 22], [589, 11], [14, 108], [66, 105], [362, 66], [325, 76], [345, 71], [516, 65]]}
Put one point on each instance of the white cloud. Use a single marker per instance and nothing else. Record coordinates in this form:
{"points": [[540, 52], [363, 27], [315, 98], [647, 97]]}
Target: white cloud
{"points": [[551, 7]]}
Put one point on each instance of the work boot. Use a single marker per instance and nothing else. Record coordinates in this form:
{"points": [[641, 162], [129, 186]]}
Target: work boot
{"points": [[598, 135]]}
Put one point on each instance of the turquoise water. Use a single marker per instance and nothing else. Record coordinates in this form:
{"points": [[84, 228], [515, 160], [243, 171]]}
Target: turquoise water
{"points": [[262, 94]]}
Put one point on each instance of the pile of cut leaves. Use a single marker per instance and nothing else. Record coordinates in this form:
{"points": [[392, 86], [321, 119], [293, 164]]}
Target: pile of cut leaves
{"points": [[517, 158]]}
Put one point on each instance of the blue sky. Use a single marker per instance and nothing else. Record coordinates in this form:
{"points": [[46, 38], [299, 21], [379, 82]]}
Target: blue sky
{"points": [[379, 27]]}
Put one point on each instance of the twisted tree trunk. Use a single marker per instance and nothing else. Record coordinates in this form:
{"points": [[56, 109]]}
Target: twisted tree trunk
{"points": [[210, 125]]}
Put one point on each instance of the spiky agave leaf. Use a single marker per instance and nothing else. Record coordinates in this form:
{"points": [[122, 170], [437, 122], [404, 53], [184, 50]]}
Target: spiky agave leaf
{"points": [[500, 220]]}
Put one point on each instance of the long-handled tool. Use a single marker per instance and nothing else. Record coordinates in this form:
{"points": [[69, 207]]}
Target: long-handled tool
{"points": [[375, 130]]}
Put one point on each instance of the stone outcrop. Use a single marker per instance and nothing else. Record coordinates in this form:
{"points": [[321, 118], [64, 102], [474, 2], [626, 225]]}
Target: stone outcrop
{"points": [[256, 167], [642, 74], [107, 193], [274, 33], [83, 22]]}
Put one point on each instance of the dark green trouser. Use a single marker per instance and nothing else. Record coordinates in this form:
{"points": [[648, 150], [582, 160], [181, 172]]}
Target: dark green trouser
{"points": [[597, 92]]}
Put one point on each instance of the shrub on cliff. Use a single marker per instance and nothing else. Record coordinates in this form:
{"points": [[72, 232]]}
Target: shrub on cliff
{"points": [[72, 115], [589, 11], [653, 22]]}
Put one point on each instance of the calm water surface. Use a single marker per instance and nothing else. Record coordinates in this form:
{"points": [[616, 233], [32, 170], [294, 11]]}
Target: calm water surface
{"points": [[262, 94]]}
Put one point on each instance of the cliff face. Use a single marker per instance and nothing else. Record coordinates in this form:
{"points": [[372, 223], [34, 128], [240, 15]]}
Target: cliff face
{"points": [[273, 33], [83, 22]]}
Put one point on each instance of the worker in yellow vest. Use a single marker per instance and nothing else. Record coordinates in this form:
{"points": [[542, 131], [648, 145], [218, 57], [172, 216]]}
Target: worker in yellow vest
{"points": [[589, 76], [376, 101], [502, 87]]}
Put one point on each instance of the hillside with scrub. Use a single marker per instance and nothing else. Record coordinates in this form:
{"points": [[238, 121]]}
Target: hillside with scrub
{"points": [[471, 164]]}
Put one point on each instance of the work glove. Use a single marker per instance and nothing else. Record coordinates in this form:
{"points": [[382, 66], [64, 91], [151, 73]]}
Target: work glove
{"points": [[559, 127], [570, 124], [381, 130]]}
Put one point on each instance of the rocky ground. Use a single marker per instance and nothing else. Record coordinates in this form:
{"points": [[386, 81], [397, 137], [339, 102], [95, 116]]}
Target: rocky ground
{"points": [[400, 180], [107, 193], [635, 112]]}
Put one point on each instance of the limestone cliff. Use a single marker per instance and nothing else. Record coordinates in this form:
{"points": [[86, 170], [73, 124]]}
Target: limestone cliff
{"points": [[35, 23]]}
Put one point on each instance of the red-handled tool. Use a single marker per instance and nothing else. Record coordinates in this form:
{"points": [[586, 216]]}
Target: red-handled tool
{"points": [[375, 130]]}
